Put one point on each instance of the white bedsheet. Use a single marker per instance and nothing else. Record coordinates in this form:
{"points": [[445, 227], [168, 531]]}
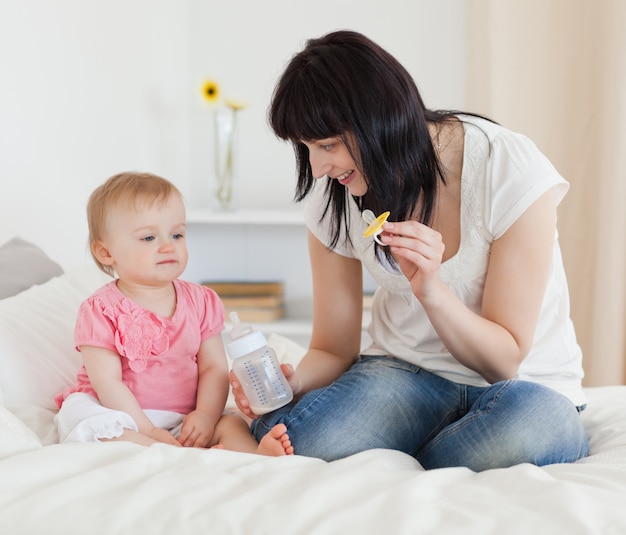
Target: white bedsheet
{"points": [[121, 488]]}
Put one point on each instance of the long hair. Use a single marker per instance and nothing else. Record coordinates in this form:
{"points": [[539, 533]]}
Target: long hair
{"points": [[345, 85]]}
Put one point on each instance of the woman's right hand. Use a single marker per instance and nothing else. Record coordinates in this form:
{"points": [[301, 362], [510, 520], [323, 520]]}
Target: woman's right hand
{"points": [[242, 401]]}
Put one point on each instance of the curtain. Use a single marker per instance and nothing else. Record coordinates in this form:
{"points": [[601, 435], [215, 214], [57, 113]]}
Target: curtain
{"points": [[556, 71]]}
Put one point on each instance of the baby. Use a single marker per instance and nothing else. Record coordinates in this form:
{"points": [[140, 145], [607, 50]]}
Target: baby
{"points": [[154, 366]]}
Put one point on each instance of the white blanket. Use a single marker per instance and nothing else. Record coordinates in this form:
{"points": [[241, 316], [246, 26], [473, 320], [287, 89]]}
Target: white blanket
{"points": [[123, 488]]}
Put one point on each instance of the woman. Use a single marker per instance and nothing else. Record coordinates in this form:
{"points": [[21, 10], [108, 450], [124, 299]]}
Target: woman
{"points": [[474, 360]]}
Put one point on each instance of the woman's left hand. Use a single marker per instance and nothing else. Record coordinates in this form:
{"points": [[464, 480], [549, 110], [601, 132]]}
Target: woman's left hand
{"points": [[418, 249]]}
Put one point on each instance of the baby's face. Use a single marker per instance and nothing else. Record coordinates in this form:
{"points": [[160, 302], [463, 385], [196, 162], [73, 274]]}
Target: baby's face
{"points": [[147, 241]]}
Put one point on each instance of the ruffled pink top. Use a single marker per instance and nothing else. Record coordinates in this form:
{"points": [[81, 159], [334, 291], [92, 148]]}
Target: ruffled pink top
{"points": [[158, 355]]}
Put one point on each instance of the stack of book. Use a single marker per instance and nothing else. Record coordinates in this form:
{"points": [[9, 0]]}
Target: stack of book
{"points": [[254, 301]]}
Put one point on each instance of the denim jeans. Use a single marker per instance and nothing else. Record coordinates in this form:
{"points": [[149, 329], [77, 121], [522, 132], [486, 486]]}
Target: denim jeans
{"points": [[381, 402]]}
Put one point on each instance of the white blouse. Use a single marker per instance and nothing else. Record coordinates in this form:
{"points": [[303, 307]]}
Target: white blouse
{"points": [[503, 174]]}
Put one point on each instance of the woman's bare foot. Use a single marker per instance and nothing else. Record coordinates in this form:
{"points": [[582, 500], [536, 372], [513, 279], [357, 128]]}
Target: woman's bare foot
{"points": [[276, 442]]}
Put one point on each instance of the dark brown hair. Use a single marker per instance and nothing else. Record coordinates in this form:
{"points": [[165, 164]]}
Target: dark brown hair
{"points": [[345, 85]]}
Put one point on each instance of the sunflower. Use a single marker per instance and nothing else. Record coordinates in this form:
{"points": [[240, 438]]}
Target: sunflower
{"points": [[210, 91]]}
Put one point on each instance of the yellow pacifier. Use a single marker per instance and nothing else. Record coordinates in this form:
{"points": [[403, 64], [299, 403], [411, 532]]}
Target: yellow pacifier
{"points": [[375, 224]]}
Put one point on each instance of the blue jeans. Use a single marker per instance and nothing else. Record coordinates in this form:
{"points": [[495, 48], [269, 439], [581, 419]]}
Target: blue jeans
{"points": [[381, 402]]}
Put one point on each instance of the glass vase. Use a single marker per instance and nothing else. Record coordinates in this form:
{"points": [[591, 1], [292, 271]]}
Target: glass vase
{"points": [[225, 158]]}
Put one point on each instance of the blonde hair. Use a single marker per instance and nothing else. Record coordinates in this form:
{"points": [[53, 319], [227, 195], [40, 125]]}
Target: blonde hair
{"points": [[127, 188]]}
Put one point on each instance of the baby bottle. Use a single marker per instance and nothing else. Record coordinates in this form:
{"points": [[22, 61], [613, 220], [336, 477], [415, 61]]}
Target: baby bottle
{"points": [[257, 368]]}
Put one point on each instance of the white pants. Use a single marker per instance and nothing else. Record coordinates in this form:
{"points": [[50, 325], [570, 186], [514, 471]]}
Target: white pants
{"points": [[83, 419]]}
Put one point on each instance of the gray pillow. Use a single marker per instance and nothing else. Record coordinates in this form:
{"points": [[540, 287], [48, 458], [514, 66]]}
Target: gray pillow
{"points": [[22, 265]]}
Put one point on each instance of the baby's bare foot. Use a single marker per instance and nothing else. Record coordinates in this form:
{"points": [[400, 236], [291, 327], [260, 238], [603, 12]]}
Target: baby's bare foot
{"points": [[276, 442]]}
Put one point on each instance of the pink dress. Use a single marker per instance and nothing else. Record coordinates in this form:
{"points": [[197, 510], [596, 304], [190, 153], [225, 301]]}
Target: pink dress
{"points": [[159, 355]]}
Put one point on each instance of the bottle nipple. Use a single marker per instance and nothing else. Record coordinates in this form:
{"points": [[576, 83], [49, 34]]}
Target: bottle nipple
{"points": [[239, 329]]}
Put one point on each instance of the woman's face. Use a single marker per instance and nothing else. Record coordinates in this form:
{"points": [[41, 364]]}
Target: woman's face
{"points": [[330, 157]]}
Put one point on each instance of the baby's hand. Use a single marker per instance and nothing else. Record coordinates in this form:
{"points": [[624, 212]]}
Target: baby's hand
{"points": [[197, 430], [162, 435]]}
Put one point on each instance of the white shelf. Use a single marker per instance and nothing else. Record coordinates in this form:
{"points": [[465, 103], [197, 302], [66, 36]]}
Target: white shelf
{"points": [[246, 217], [294, 326], [296, 330], [286, 327]]}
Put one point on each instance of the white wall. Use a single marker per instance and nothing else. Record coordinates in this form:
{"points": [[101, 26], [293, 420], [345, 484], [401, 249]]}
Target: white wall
{"points": [[246, 44], [88, 89], [91, 88]]}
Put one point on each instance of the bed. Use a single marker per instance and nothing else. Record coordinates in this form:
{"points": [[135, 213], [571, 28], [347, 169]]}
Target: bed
{"points": [[119, 488]]}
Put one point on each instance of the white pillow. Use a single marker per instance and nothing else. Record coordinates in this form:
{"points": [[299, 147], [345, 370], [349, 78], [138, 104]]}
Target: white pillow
{"points": [[286, 349], [15, 437], [37, 355]]}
